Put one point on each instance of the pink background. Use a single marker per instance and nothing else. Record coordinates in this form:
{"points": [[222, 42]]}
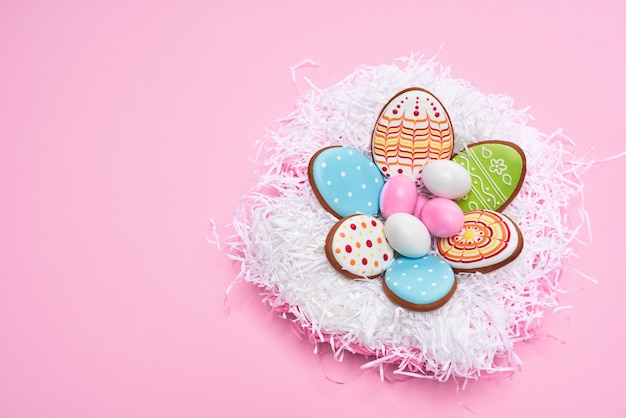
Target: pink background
{"points": [[125, 126]]}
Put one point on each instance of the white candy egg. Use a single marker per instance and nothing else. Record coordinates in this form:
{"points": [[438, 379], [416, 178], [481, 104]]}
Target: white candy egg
{"points": [[407, 235], [446, 178]]}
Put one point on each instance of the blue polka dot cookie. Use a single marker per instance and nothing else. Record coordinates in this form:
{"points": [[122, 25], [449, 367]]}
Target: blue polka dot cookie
{"points": [[345, 181], [419, 284]]}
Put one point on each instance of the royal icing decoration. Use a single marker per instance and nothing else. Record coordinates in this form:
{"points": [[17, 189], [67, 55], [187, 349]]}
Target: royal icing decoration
{"points": [[356, 246], [412, 128], [487, 241], [420, 284], [345, 181], [497, 170]]}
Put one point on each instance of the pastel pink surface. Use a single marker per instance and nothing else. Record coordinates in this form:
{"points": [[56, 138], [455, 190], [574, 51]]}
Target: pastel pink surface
{"points": [[127, 126], [442, 217], [419, 204], [399, 194]]}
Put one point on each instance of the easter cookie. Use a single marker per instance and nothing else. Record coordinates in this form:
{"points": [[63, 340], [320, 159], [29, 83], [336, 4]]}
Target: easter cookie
{"points": [[497, 170], [356, 246], [419, 284], [487, 241], [412, 128], [345, 181]]}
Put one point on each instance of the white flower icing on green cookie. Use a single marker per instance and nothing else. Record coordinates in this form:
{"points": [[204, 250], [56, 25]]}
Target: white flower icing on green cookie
{"points": [[497, 170]]}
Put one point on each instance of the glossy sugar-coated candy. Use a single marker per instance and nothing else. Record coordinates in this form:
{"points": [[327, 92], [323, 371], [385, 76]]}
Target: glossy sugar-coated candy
{"points": [[399, 194], [445, 178], [407, 235], [443, 217], [419, 204]]}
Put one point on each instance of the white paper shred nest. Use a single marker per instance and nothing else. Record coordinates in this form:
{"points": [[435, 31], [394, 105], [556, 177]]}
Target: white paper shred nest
{"points": [[281, 230]]}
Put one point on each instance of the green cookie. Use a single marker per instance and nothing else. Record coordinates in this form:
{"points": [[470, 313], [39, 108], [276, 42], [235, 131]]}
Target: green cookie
{"points": [[497, 169]]}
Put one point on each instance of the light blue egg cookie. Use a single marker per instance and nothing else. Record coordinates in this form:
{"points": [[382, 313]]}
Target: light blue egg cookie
{"points": [[345, 181], [419, 284]]}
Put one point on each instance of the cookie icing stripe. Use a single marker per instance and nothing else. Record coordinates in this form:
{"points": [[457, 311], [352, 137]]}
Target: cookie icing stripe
{"points": [[488, 240], [485, 235], [477, 181], [486, 175], [403, 145], [412, 128], [497, 170]]}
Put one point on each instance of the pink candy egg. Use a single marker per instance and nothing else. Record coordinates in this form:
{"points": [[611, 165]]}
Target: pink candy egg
{"points": [[399, 195], [421, 200], [442, 217]]}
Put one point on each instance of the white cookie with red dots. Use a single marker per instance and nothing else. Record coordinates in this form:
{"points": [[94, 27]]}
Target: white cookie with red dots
{"points": [[356, 247]]}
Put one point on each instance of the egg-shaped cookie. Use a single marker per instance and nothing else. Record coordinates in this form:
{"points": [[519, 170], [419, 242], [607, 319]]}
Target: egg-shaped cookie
{"points": [[345, 181], [488, 240], [412, 128], [356, 247], [419, 284], [497, 170]]}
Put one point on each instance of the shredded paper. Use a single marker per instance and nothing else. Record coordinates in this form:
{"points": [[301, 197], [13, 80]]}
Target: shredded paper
{"points": [[280, 232]]}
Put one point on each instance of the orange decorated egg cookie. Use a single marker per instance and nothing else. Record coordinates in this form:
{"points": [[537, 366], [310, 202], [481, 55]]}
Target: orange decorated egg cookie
{"points": [[412, 128], [487, 241]]}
